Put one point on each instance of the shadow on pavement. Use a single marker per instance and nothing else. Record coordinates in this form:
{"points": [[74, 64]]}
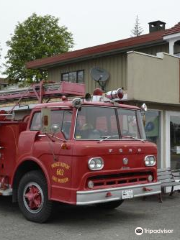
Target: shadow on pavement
{"points": [[130, 210]]}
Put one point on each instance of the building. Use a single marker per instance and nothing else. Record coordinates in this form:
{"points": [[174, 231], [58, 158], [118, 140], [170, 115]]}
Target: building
{"points": [[3, 83], [148, 69]]}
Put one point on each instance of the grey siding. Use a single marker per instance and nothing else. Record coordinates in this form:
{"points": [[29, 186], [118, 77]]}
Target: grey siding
{"points": [[155, 49], [115, 64]]}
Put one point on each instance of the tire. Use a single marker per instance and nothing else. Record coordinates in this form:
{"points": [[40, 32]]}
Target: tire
{"points": [[33, 197], [110, 205]]}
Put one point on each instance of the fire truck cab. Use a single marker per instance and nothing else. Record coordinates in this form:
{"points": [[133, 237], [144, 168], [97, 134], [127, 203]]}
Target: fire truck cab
{"points": [[79, 151]]}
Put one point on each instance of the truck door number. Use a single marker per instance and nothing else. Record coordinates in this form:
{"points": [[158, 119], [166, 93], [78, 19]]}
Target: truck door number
{"points": [[60, 172]]}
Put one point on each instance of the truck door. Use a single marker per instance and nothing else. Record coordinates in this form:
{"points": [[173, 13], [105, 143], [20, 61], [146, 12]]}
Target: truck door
{"points": [[55, 149]]}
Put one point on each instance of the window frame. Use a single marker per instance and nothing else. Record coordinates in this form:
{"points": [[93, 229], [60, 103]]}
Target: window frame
{"points": [[32, 118], [137, 115], [64, 111], [69, 74]]}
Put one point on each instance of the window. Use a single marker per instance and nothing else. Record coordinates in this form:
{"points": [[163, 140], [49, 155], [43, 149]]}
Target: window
{"points": [[131, 125], [66, 123], [61, 117], [80, 76], [108, 123], [96, 123], [75, 76], [36, 122], [128, 123]]}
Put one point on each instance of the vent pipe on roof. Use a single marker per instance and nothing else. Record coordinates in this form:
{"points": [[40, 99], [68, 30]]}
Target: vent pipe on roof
{"points": [[156, 26]]}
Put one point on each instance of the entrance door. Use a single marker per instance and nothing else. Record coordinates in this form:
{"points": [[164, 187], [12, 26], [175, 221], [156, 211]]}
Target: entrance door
{"points": [[173, 139]]}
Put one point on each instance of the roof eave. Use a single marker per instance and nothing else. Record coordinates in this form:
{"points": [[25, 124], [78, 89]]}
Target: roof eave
{"points": [[48, 65]]}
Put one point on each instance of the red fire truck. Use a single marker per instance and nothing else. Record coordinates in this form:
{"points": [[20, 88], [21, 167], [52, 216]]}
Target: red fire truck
{"points": [[83, 151]]}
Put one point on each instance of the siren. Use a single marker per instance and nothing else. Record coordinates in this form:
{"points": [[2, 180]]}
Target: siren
{"points": [[77, 103], [97, 95], [98, 92], [115, 94]]}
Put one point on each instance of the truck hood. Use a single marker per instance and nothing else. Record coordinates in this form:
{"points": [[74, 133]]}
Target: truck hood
{"points": [[83, 148], [113, 153]]}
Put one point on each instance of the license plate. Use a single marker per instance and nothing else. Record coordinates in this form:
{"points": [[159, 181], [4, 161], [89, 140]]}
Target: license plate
{"points": [[127, 194]]}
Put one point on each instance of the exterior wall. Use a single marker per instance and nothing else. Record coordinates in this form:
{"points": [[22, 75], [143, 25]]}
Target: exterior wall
{"points": [[115, 65], [153, 79], [155, 49]]}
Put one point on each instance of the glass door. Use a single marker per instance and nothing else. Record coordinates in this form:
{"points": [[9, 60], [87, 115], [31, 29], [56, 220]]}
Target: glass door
{"points": [[172, 140], [175, 141]]}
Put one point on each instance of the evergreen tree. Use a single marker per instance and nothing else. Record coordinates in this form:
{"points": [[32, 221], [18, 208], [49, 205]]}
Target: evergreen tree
{"points": [[137, 30]]}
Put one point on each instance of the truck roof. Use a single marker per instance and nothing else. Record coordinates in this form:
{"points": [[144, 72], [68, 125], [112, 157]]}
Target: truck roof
{"points": [[68, 103]]}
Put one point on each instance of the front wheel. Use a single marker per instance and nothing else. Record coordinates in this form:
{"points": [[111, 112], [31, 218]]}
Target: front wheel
{"points": [[33, 197], [110, 205]]}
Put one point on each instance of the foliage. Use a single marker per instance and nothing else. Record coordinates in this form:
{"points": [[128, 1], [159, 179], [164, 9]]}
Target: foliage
{"points": [[0, 50], [137, 30], [37, 37]]}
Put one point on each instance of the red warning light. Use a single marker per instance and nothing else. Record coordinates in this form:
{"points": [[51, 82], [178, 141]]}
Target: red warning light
{"points": [[98, 92]]}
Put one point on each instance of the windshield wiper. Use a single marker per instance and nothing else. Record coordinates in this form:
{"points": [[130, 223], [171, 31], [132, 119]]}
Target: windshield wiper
{"points": [[131, 137], [107, 137]]}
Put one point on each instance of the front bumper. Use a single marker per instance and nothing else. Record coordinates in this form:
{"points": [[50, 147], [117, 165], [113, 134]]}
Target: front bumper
{"points": [[113, 194]]}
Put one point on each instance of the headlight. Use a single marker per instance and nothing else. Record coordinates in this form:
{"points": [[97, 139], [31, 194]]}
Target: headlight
{"points": [[95, 163], [150, 160]]}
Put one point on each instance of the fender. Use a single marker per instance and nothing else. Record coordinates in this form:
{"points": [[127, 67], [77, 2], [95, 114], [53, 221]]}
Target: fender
{"points": [[41, 166]]}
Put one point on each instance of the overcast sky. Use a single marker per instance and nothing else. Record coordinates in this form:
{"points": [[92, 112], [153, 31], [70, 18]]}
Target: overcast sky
{"points": [[91, 22]]}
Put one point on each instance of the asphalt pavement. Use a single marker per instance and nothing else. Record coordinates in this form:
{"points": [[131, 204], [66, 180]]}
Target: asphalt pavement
{"points": [[155, 220]]}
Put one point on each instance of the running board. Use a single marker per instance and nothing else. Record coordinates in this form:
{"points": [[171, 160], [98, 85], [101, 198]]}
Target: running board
{"points": [[6, 192]]}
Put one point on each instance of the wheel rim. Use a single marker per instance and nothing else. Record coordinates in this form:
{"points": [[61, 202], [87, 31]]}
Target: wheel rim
{"points": [[33, 197]]}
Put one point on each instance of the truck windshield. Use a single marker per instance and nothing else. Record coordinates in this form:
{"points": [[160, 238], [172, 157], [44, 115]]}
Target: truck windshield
{"points": [[102, 123], [130, 123]]}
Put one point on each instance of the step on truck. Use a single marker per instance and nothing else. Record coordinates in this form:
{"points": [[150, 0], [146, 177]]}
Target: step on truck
{"points": [[81, 150]]}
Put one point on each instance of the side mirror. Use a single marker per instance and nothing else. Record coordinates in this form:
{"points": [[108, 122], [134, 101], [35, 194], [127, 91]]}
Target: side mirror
{"points": [[55, 128], [144, 107], [45, 120], [76, 102], [144, 110]]}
